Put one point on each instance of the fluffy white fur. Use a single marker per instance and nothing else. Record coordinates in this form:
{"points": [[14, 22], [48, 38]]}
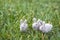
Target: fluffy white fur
{"points": [[36, 24], [23, 25], [46, 27]]}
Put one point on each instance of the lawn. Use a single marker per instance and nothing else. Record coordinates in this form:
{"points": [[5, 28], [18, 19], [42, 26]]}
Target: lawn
{"points": [[11, 11]]}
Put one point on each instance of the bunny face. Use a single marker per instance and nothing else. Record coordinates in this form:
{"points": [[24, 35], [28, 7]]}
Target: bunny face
{"points": [[35, 26], [23, 27]]}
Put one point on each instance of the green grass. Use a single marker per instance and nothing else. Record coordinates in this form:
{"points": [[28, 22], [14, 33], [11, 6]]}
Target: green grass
{"points": [[11, 11]]}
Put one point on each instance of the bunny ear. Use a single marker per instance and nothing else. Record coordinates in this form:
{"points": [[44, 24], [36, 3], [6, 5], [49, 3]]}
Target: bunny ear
{"points": [[21, 21], [34, 20], [38, 20], [25, 21], [43, 23]]}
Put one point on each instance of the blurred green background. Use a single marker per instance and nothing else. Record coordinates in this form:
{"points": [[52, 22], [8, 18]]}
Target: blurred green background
{"points": [[11, 11]]}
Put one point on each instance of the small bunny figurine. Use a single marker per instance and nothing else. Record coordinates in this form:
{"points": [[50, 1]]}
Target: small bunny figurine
{"points": [[45, 27], [23, 25], [36, 24]]}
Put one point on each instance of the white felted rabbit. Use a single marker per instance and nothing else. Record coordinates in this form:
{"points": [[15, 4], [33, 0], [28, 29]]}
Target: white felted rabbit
{"points": [[23, 25], [45, 27], [36, 24]]}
